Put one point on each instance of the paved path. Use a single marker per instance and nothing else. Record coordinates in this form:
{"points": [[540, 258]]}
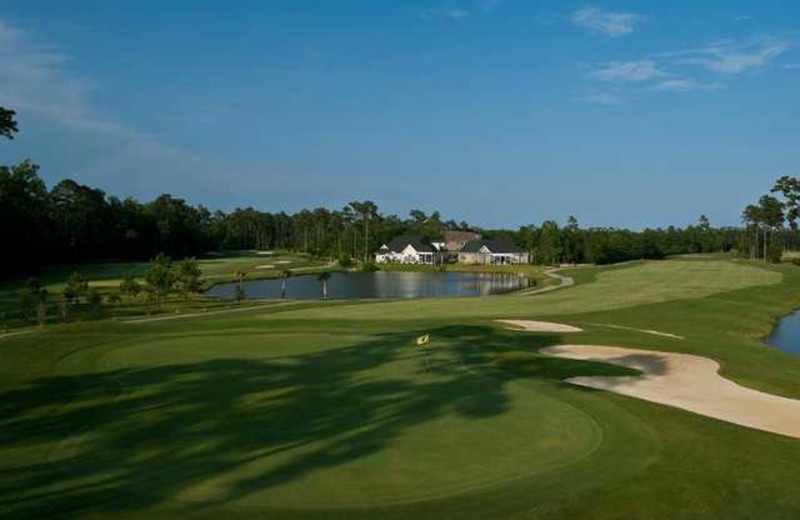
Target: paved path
{"points": [[566, 281]]}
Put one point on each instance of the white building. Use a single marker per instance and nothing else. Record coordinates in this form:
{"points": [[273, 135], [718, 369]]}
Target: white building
{"points": [[407, 250]]}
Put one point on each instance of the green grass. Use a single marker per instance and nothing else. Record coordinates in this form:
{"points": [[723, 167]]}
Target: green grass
{"points": [[328, 411]]}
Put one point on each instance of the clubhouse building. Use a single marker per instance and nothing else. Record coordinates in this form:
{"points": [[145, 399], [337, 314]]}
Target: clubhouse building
{"points": [[461, 246]]}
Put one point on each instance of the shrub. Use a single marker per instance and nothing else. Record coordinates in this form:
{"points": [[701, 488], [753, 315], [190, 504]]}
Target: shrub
{"points": [[369, 267], [345, 261]]}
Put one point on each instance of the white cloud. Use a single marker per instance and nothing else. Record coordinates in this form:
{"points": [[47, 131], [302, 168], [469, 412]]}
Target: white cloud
{"points": [[730, 57], [629, 71], [606, 23], [743, 18], [792, 66]]}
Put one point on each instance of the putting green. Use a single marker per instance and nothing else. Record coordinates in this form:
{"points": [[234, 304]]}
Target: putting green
{"points": [[316, 421]]}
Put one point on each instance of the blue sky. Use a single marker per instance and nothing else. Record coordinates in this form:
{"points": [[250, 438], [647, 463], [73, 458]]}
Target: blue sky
{"points": [[500, 112]]}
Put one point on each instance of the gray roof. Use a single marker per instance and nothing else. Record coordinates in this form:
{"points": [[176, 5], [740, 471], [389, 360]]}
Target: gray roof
{"points": [[495, 246], [399, 243]]}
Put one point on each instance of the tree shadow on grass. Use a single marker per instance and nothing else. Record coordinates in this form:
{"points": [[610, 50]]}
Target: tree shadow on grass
{"points": [[129, 439]]}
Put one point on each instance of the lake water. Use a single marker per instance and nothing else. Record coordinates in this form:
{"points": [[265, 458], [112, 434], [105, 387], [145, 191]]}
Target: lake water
{"points": [[381, 285], [786, 335]]}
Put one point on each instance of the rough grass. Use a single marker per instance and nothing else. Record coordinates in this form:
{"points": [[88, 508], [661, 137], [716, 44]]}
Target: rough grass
{"points": [[275, 414]]}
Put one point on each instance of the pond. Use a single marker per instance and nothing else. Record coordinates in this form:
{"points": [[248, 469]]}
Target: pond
{"points": [[381, 285], [786, 335]]}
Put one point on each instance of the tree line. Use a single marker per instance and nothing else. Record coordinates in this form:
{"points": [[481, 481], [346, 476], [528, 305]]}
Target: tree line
{"points": [[72, 222]]}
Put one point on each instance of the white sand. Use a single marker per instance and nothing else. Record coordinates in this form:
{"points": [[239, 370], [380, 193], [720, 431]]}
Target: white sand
{"points": [[283, 262], [539, 326], [265, 267], [688, 382]]}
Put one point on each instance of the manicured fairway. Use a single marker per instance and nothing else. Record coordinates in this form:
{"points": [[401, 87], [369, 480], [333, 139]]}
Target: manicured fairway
{"points": [[329, 410]]}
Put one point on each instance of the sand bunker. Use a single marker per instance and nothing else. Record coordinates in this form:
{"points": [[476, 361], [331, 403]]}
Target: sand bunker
{"points": [[539, 326], [265, 267], [687, 382], [283, 262]]}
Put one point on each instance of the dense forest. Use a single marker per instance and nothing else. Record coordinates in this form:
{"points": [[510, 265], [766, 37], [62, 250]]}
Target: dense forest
{"points": [[72, 222]]}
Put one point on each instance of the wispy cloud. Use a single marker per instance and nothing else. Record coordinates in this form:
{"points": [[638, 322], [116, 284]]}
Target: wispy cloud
{"points": [[606, 23], [675, 84], [675, 71], [603, 98], [448, 12], [38, 82], [488, 6], [629, 71], [731, 57], [742, 18]]}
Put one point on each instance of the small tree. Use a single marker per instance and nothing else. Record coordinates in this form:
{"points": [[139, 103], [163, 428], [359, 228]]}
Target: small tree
{"points": [[130, 286], [76, 288], [95, 301], [188, 278], [64, 307], [324, 277], [345, 261], [33, 299], [285, 275], [160, 278]]}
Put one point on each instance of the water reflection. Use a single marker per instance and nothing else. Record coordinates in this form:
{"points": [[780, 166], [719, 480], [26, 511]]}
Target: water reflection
{"points": [[382, 285]]}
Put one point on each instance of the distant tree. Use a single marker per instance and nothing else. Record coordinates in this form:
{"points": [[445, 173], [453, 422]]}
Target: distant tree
{"points": [[23, 202], [772, 218], [188, 277], [285, 275], [324, 277], [753, 218], [130, 286], [368, 211], [8, 126], [789, 187], [160, 278], [550, 247], [113, 299]]}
